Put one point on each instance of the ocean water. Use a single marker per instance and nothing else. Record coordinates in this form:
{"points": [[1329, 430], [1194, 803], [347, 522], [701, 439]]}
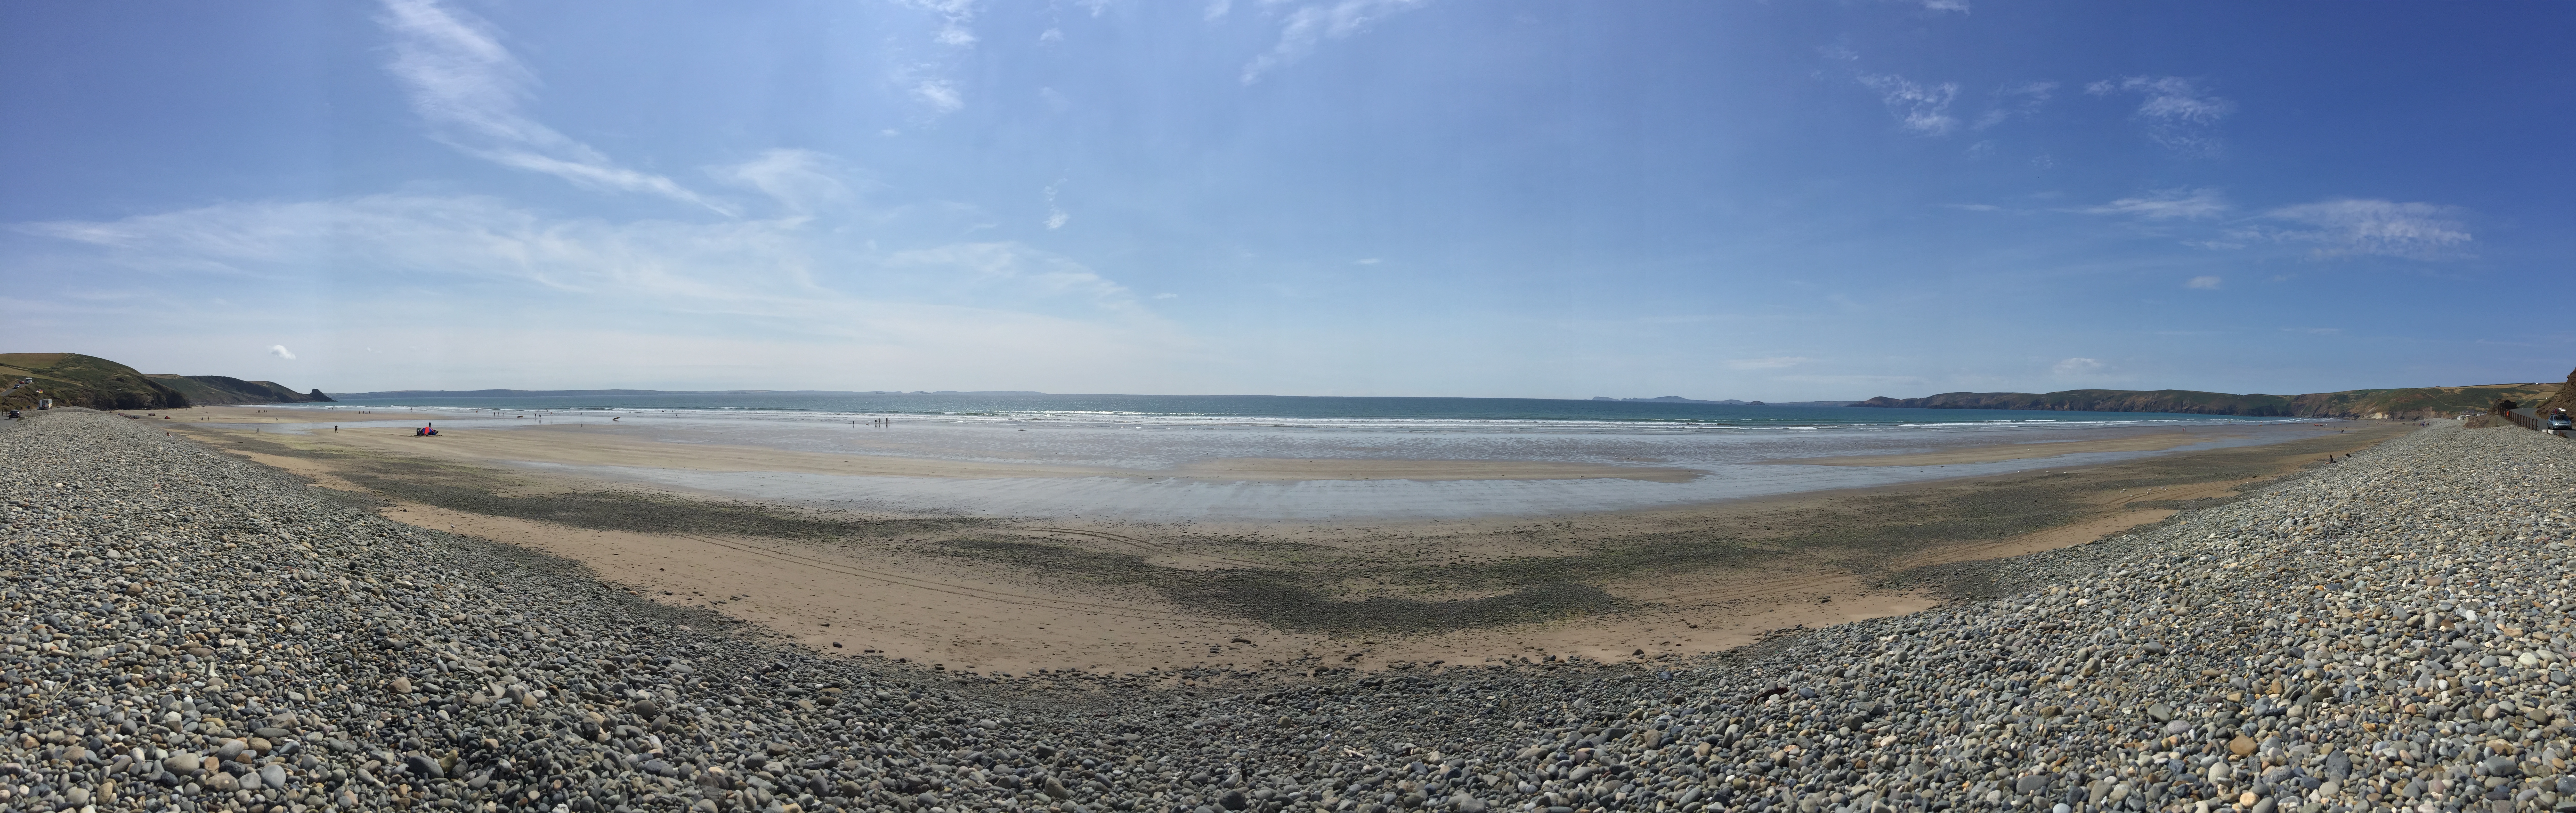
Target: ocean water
{"points": [[1318, 412], [1735, 450]]}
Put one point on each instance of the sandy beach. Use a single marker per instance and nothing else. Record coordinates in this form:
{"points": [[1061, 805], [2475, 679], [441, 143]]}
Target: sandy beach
{"points": [[2151, 442], [1011, 594]]}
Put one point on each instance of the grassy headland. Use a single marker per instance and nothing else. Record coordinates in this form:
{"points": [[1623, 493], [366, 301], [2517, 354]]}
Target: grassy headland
{"points": [[2403, 403], [72, 379]]}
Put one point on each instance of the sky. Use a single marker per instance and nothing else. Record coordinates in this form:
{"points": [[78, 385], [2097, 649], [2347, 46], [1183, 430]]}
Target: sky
{"points": [[1713, 199]]}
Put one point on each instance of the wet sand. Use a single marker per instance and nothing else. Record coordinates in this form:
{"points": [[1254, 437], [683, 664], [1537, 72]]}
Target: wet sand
{"points": [[1243, 474], [1019, 594], [601, 443], [2155, 442]]}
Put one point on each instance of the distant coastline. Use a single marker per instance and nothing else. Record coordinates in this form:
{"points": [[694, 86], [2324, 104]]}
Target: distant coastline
{"points": [[2406, 403], [1676, 399], [578, 393]]}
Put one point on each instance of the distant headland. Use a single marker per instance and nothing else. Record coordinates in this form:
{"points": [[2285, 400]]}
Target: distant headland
{"points": [[2395, 404], [1676, 399]]}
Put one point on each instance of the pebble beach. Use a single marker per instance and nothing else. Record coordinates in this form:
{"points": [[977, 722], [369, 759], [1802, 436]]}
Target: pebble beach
{"points": [[188, 631]]}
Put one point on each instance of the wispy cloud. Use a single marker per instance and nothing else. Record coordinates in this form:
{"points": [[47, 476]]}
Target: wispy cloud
{"points": [[957, 17], [802, 181], [1014, 266], [1310, 24], [2203, 283], [2016, 100], [926, 75], [1056, 216], [467, 87], [280, 351], [1973, 207], [1920, 108], [2166, 204], [1772, 363], [785, 266], [475, 274], [2079, 367], [2350, 226], [940, 94], [2179, 114]]}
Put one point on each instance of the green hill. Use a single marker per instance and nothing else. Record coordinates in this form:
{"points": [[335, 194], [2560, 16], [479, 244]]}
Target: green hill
{"points": [[2400, 403], [72, 379], [213, 390]]}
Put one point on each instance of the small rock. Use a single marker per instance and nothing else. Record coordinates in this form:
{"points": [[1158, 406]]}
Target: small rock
{"points": [[2501, 765], [424, 767]]}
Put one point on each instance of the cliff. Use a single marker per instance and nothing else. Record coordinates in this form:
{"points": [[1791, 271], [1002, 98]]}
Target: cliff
{"points": [[2564, 398], [2399, 403]]}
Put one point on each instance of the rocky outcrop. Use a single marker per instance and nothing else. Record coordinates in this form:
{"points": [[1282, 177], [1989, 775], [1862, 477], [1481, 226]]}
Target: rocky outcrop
{"points": [[2564, 398]]}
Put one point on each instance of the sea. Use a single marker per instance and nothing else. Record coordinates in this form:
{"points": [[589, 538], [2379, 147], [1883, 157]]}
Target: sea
{"points": [[1735, 451], [1318, 412]]}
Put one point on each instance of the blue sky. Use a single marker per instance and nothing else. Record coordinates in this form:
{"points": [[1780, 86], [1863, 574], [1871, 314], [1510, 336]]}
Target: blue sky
{"points": [[1789, 200]]}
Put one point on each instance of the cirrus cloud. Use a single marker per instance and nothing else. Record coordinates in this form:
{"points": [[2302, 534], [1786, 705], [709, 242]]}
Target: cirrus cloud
{"points": [[2178, 113], [1920, 108], [467, 87], [1309, 25], [2369, 227], [2168, 204], [1772, 363]]}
